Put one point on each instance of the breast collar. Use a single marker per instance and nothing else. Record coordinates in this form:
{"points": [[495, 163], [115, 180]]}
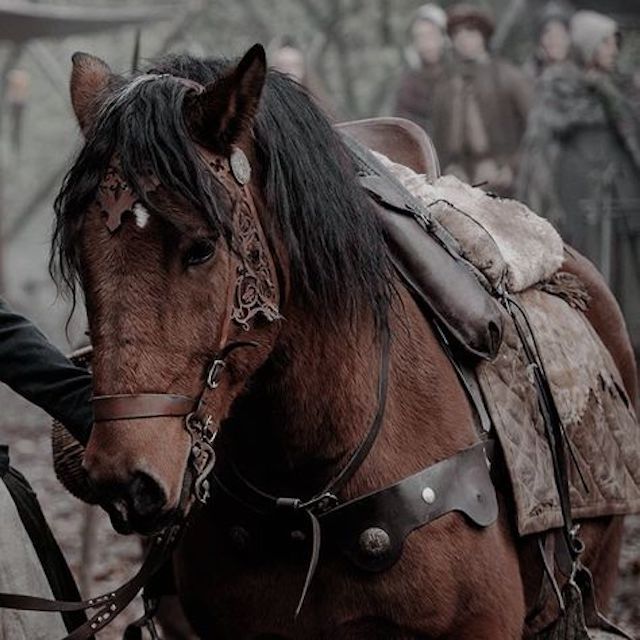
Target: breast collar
{"points": [[369, 530]]}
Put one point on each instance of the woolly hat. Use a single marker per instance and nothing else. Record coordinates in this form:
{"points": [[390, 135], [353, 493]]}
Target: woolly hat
{"points": [[466, 15], [553, 12], [588, 30], [431, 13]]}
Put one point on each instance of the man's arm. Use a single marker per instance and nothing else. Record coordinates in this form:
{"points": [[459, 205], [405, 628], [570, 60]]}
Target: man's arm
{"points": [[38, 371]]}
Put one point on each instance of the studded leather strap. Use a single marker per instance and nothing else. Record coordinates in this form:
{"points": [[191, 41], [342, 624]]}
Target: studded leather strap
{"points": [[109, 605]]}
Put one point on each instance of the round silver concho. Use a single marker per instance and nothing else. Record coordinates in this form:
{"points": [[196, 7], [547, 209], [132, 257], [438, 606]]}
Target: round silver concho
{"points": [[374, 542], [240, 167]]}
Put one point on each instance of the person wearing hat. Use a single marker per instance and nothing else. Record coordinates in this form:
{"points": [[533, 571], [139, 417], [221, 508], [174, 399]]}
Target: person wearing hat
{"points": [[30, 559], [581, 159], [286, 55], [481, 112], [418, 86], [553, 40]]}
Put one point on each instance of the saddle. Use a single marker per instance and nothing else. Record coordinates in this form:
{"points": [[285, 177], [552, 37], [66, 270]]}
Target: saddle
{"points": [[401, 140], [426, 256], [552, 389]]}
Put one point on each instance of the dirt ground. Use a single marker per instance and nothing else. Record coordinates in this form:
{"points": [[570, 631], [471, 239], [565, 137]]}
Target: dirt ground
{"points": [[117, 557]]}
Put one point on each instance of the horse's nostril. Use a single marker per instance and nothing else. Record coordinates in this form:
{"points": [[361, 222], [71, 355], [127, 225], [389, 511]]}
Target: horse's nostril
{"points": [[146, 495]]}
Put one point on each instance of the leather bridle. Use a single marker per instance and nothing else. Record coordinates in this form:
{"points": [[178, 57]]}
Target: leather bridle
{"points": [[198, 416], [196, 411]]}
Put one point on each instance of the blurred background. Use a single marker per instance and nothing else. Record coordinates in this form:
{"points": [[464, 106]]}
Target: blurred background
{"points": [[483, 79]]}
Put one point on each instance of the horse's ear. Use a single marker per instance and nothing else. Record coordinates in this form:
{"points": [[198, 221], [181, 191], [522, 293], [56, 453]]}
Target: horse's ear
{"points": [[223, 113], [89, 77]]}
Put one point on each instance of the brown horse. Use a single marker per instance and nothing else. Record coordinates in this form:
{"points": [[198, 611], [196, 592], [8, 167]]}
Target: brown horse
{"points": [[181, 257]]}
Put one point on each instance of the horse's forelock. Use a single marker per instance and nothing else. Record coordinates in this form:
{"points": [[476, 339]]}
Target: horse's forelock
{"points": [[336, 250], [140, 126]]}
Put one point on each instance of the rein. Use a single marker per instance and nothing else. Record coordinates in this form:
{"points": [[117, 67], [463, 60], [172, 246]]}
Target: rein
{"points": [[108, 605]]}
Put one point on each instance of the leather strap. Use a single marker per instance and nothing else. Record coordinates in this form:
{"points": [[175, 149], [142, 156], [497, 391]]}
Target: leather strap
{"points": [[559, 443], [244, 492], [4, 459], [466, 373], [380, 183], [141, 405], [460, 483], [108, 605]]}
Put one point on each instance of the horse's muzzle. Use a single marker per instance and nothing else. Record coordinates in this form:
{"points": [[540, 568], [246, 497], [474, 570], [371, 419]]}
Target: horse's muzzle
{"points": [[136, 506]]}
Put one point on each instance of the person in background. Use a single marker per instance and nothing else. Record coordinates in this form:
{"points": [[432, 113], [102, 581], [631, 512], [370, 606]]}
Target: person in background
{"points": [[553, 41], [581, 159], [286, 56], [419, 83], [481, 109]]}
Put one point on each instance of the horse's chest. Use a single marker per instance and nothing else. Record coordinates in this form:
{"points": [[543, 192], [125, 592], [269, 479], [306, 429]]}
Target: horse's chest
{"points": [[233, 587], [239, 577]]}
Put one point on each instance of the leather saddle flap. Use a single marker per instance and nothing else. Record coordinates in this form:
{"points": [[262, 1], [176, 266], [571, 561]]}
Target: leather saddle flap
{"points": [[424, 254]]}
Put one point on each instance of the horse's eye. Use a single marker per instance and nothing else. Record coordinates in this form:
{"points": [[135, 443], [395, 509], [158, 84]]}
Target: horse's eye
{"points": [[199, 252]]}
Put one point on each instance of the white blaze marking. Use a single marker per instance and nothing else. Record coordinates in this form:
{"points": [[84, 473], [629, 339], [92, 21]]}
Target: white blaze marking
{"points": [[141, 214]]}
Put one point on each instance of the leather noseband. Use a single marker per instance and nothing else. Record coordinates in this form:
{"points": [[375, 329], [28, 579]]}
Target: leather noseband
{"points": [[142, 405]]}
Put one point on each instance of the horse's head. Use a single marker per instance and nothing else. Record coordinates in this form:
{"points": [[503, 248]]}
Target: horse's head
{"points": [[180, 284]]}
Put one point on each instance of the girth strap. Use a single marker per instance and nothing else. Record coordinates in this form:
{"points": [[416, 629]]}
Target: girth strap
{"points": [[141, 405]]}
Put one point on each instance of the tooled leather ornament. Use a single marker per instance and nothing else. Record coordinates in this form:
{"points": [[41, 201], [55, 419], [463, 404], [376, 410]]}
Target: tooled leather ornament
{"points": [[256, 292], [116, 197]]}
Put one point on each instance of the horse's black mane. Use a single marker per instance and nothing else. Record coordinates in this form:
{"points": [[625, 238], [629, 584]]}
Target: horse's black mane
{"points": [[337, 254]]}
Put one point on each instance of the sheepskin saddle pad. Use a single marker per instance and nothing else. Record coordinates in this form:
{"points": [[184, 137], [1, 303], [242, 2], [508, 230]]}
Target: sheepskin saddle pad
{"points": [[521, 253]]}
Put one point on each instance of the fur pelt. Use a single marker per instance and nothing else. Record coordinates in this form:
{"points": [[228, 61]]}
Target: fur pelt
{"points": [[508, 243]]}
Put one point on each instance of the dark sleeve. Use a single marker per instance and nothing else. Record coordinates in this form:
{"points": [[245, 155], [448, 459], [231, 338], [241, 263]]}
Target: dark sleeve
{"points": [[38, 371]]}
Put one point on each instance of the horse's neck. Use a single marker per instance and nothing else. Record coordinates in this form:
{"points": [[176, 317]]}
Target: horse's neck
{"points": [[314, 401]]}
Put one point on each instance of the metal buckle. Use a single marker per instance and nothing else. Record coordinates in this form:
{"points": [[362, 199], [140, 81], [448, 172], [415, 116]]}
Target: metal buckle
{"points": [[213, 375], [322, 503]]}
